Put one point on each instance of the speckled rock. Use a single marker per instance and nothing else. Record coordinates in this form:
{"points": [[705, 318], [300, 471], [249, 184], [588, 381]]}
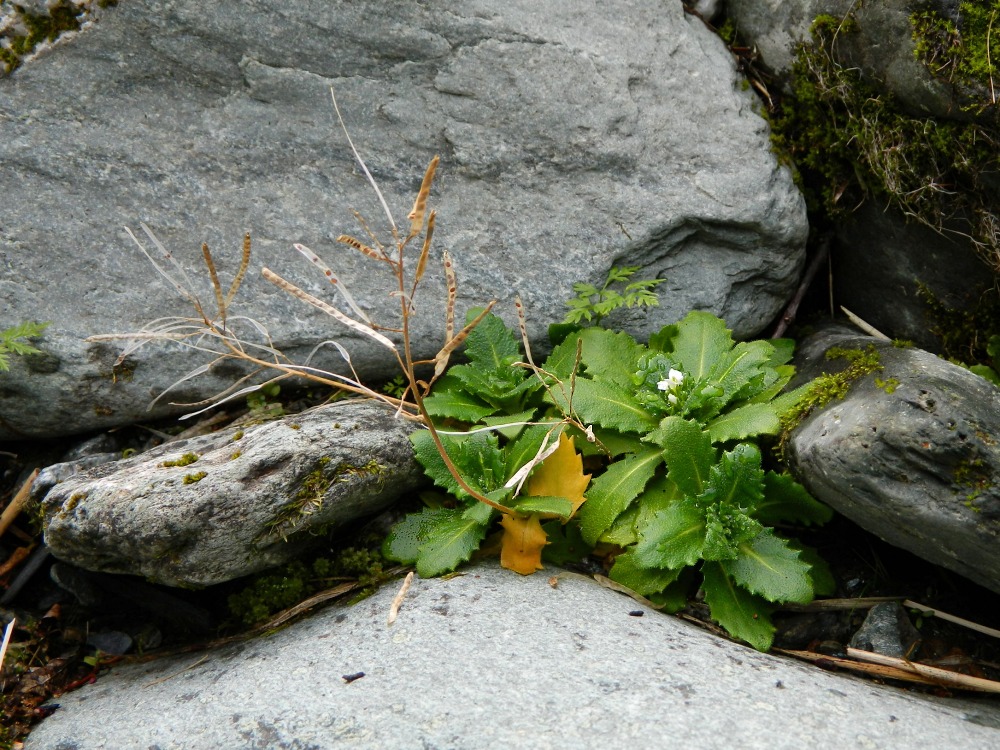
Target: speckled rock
{"points": [[494, 659], [212, 508], [910, 453]]}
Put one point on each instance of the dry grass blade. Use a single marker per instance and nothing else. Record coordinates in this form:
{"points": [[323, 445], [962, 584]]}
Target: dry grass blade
{"points": [[873, 670], [952, 618], [442, 357], [213, 276], [333, 279], [328, 309], [361, 247], [180, 288], [241, 273], [863, 325], [364, 167], [416, 216], [935, 675]]}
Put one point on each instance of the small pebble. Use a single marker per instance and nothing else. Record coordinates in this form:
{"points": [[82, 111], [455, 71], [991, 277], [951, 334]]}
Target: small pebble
{"points": [[636, 613]]}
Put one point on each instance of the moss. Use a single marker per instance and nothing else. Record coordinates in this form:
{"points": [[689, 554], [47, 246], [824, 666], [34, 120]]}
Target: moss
{"points": [[312, 492], [972, 478], [828, 388], [196, 477], [238, 435], [235, 455], [39, 27], [270, 593], [851, 141], [889, 385], [963, 54], [186, 460], [964, 334]]}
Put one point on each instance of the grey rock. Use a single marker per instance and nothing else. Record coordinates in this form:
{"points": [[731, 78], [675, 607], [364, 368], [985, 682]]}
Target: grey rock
{"points": [[880, 261], [256, 496], [52, 475], [492, 659], [572, 139], [887, 630], [917, 466]]}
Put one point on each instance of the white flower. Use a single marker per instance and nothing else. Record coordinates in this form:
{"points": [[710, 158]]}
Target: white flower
{"points": [[672, 399], [664, 385], [676, 377]]}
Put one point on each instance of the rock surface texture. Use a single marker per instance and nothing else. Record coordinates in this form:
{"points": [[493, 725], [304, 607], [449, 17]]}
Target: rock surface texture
{"points": [[910, 454], [541, 666], [253, 498], [569, 144]]}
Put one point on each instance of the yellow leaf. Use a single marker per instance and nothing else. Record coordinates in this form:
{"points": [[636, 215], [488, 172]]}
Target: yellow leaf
{"points": [[560, 475], [523, 539]]}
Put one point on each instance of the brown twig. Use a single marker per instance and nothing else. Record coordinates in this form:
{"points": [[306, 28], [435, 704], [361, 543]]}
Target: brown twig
{"points": [[793, 307]]}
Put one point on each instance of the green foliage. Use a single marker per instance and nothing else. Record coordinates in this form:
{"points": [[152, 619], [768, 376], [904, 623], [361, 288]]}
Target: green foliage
{"points": [[11, 341], [592, 304], [680, 489]]}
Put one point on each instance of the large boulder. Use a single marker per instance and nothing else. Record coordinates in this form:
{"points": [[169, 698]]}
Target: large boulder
{"points": [[910, 453], [494, 659], [209, 509], [573, 138]]}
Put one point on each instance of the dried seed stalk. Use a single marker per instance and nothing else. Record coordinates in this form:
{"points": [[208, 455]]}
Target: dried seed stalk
{"points": [[416, 216], [361, 247], [242, 272], [328, 309], [333, 279], [213, 275]]}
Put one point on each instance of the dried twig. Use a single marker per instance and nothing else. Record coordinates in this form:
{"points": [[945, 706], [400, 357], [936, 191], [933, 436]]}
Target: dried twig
{"points": [[398, 600], [17, 503]]}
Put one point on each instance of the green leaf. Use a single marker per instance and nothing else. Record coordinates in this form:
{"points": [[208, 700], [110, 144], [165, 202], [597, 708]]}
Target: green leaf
{"points": [[784, 351], [407, 536], [628, 571], [450, 400], [515, 423], [610, 357], [743, 368], [608, 405], [822, 577], [491, 345], [742, 614], [618, 443], [674, 539], [743, 422], [663, 340], [702, 340], [688, 452], [612, 492], [555, 506], [9, 343], [565, 543], [785, 500], [477, 457], [452, 537], [768, 567]]}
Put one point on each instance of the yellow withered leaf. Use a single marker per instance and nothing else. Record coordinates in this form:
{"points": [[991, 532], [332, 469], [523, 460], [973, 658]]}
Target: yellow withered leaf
{"points": [[523, 539], [560, 475]]}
